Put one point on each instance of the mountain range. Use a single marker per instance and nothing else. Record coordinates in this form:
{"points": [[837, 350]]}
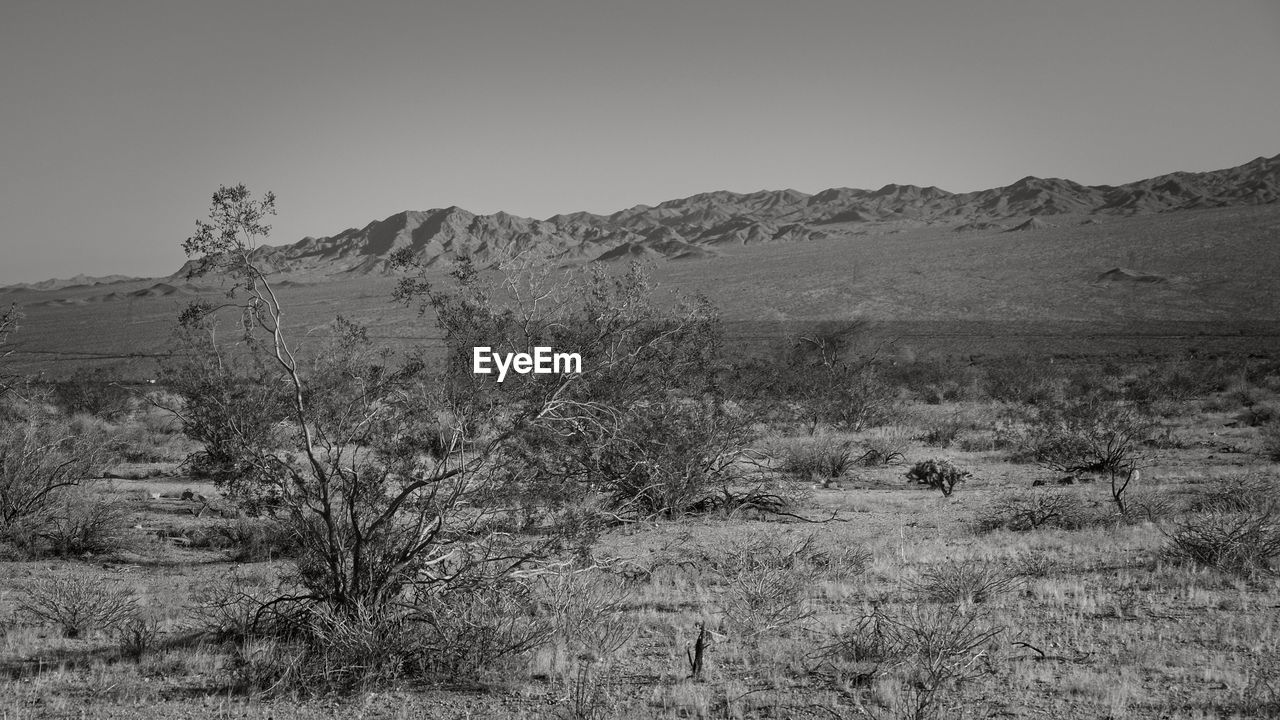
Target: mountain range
{"points": [[697, 226]]}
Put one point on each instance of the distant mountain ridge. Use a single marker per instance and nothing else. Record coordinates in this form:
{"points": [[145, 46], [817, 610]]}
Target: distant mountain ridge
{"points": [[78, 280], [696, 226]]}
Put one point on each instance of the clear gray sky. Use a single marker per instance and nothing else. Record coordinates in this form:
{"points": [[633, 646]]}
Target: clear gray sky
{"points": [[119, 118]]}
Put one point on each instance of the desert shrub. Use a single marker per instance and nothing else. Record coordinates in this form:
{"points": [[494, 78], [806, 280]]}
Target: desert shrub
{"points": [[1260, 415], [253, 540], [85, 519], [136, 636], [767, 581], [935, 381], [764, 599], [938, 474], [92, 391], [589, 610], [805, 556], [823, 376], [228, 403], [885, 446], [1146, 504], [1021, 381], [922, 654], [77, 604], [941, 432], [470, 631], [238, 607], [1087, 435], [1271, 440], [135, 441], [351, 651], [822, 457], [399, 475], [1035, 509], [865, 400], [459, 635], [1170, 383], [316, 649], [265, 665], [1239, 493], [966, 582], [668, 458], [1105, 380], [1241, 542], [43, 464]]}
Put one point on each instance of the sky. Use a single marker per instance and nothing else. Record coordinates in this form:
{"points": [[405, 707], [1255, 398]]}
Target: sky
{"points": [[120, 118]]}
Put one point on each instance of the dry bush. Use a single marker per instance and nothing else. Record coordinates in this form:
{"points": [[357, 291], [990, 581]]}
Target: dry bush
{"points": [[821, 457], [86, 519], [39, 461], [885, 446], [134, 441], [966, 582], [768, 581], [313, 649], [1146, 504], [46, 503], [936, 381], [1243, 542], [941, 432], [92, 391], [1260, 415], [78, 605], [350, 651], [136, 636], [252, 539], [464, 633], [1239, 493], [1087, 435], [766, 598], [1271, 440], [1021, 381], [1168, 384], [238, 607], [924, 654], [937, 474], [839, 562], [589, 610], [1262, 697], [670, 458], [1022, 511]]}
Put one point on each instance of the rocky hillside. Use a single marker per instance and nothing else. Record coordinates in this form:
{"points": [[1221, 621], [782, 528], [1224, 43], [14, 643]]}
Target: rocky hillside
{"points": [[696, 226]]}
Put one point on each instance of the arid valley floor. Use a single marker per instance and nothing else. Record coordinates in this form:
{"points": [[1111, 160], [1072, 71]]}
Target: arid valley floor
{"points": [[1014, 596]]}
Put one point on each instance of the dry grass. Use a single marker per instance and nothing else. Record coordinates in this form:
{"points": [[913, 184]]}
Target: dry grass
{"points": [[902, 609]]}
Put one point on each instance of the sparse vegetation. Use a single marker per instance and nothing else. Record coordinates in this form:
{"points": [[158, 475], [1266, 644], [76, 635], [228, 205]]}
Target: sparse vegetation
{"points": [[886, 446], [822, 458], [78, 605], [1244, 541], [47, 503], [1271, 440], [659, 537], [1035, 509], [966, 582]]}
